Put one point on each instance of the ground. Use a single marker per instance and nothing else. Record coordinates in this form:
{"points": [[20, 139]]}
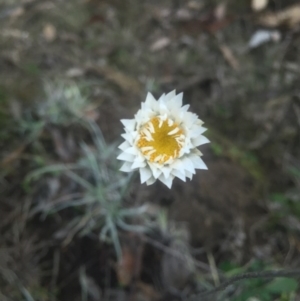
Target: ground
{"points": [[70, 221]]}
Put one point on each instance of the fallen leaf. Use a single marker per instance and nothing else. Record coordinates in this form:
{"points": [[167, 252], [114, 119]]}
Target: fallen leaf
{"points": [[263, 36], [220, 11], [74, 72], [49, 32], [183, 14], [289, 17], [126, 267], [212, 22], [161, 14], [195, 5], [229, 57], [91, 113], [119, 78], [160, 44], [129, 265], [259, 5]]}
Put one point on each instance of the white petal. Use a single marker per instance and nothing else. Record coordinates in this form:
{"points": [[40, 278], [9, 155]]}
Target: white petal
{"points": [[203, 129], [155, 171], [199, 140], [189, 119], [126, 167], [138, 164], [161, 100], [188, 165], [178, 174], [139, 161], [167, 181], [124, 145], [170, 95], [195, 131], [198, 162], [128, 137], [126, 157], [129, 124], [151, 181], [197, 152], [178, 165], [145, 174], [176, 102], [150, 101], [185, 108], [189, 174], [166, 171], [132, 150]]}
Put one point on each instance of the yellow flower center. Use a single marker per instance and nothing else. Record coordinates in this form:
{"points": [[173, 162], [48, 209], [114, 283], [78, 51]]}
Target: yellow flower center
{"points": [[160, 140]]}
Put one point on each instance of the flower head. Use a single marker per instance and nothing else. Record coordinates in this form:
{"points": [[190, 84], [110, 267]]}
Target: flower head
{"points": [[161, 141]]}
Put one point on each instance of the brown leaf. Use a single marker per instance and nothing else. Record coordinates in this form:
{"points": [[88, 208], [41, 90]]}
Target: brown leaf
{"points": [[117, 77], [289, 17], [160, 44], [213, 21], [220, 11], [229, 57], [75, 72], [91, 113], [183, 14], [259, 5], [195, 5], [49, 32], [129, 266], [126, 267]]}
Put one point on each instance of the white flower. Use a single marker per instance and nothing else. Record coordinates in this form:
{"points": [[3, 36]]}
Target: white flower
{"points": [[161, 141]]}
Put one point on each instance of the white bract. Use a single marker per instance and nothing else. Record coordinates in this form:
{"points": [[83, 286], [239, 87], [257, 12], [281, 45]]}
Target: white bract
{"points": [[161, 141]]}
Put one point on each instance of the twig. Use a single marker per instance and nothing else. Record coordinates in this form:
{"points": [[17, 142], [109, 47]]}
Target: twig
{"points": [[250, 275], [174, 253], [213, 268]]}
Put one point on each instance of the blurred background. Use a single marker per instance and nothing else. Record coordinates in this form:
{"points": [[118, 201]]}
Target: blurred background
{"points": [[75, 228]]}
